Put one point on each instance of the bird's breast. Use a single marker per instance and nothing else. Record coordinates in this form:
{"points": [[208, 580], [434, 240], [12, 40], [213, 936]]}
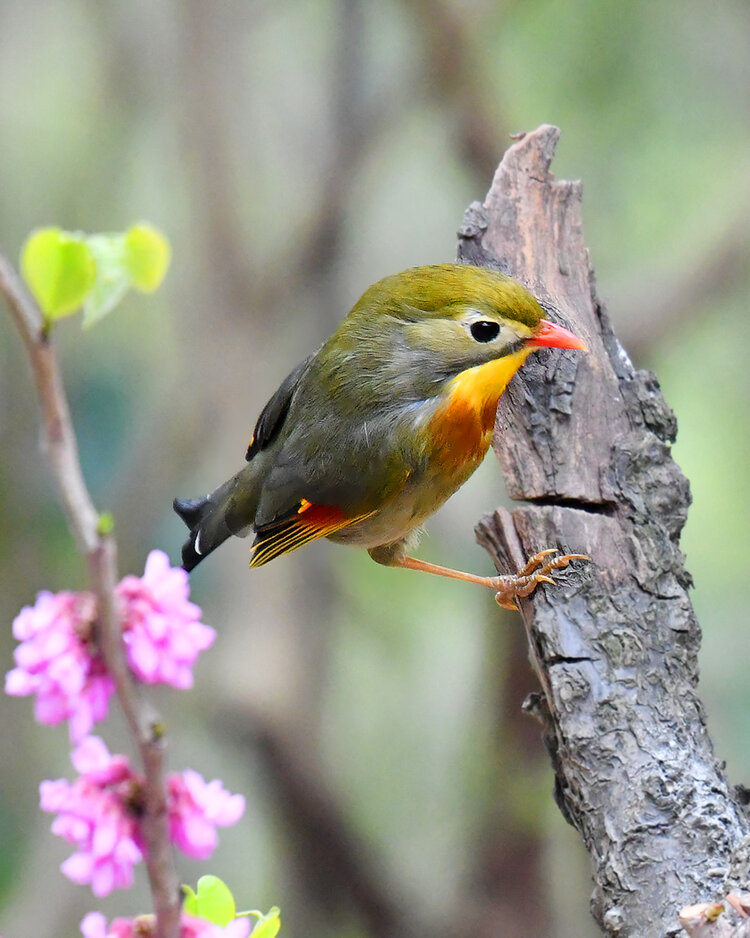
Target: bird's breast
{"points": [[462, 424], [460, 436]]}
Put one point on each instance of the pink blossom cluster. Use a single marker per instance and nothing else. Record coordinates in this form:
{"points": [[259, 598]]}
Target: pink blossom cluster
{"points": [[99, 812], [57, 659], [196, 809], [161, 627], [96, 814], [95, 925]]}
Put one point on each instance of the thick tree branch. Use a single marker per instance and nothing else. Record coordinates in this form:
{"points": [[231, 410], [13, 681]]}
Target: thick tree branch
{"points": [[100, 553], [583, 440]]}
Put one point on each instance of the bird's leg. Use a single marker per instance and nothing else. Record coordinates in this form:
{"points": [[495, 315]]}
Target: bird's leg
{"points": [[509, 586]]}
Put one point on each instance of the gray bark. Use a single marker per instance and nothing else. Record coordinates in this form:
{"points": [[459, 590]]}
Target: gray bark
{"points": [[583, 441]]}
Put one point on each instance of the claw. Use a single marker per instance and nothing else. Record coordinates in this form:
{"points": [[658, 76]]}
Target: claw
{"points": [[536, 571], [508, 588], [504, 603], [568, 557], [536, 560]]}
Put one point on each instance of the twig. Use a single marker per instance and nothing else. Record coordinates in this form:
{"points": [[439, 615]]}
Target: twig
{"points": [[100, 553]]}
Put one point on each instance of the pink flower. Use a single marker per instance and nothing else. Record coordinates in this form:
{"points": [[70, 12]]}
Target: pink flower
{"points": [[161, 627], [94, 925], [58, 662], [196, 808], [97, 813]]}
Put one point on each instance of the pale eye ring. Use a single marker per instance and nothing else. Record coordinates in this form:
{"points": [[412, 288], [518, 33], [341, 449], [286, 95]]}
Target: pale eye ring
{"points": [[484, 330]]}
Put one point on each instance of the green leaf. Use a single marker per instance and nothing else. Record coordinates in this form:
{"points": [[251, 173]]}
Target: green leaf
{"points": [[190, 901], [106, 524], [59, 268], [147, 256], [268, 925], [213, 901], [112, 277]]}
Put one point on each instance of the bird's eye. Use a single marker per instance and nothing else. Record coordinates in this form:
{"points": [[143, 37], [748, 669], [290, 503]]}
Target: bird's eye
{"points": [[484, 330]]}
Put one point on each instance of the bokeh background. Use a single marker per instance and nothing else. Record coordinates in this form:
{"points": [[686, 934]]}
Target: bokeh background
{"points": [[294, 151]]}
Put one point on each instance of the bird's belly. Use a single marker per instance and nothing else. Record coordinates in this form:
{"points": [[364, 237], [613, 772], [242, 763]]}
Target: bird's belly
{"points": [[459, 436], [409, 508]]}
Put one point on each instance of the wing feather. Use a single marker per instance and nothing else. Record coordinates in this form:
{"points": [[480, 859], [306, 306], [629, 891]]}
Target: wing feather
{"points": [[307, 523], [273, 415]]}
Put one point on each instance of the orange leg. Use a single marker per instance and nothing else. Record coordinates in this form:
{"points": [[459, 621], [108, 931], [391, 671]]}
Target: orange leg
{"points": [[509, 586]]}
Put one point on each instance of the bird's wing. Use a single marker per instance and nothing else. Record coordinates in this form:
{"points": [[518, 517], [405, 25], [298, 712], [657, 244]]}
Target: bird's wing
{"points": [[324, 478], [272, 416], [306, 522]]}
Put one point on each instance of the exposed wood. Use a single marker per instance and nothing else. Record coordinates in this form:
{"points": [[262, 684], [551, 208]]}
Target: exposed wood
{"points": [[584, 440]]}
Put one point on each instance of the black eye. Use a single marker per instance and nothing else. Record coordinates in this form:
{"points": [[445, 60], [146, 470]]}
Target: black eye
{"points": [[484, 330]]}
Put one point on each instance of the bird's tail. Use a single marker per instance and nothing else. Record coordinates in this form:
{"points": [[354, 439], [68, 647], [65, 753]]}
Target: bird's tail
{"points": [[228, 510]]}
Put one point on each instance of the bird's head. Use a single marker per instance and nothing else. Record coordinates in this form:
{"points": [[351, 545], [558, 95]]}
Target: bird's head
{"points": [[427, 326]]}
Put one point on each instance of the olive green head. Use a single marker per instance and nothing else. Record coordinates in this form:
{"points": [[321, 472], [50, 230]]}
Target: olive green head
{"points": [[413, 331], [449, 291]]}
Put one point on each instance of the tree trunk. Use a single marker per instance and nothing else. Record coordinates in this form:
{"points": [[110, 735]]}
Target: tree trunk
{"points": [[583, 441]]}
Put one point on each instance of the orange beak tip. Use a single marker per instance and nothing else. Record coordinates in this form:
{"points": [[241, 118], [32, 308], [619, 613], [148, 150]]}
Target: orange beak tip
{"points": [[550, 335]]}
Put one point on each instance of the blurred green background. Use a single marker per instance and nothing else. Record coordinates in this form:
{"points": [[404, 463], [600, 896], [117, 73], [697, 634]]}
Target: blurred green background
{"points": [[294, 152]]}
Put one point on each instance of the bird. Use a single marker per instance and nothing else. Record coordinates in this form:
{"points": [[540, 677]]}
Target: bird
{"points": [[368, 436]]}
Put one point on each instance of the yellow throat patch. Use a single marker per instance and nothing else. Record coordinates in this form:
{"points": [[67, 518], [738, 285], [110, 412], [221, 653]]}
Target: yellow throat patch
{"points": [[463, 425]]}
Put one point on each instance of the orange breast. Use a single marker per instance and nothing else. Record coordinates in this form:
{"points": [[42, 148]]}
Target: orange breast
{"points": [[462, 426], [460, 435]]}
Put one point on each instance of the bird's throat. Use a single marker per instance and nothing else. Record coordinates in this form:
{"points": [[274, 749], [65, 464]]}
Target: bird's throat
{"points": [[478, 389], [463, 424]]}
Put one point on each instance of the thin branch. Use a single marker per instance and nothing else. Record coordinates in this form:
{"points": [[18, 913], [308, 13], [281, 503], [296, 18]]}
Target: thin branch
{"points": [[58, 429], [100, 553]]}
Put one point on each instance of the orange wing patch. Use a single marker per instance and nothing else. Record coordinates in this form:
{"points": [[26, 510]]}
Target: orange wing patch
{"points": [[308, 523]]}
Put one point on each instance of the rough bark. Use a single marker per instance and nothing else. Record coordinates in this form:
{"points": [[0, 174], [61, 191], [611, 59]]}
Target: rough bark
{"points": [[584, 440]]}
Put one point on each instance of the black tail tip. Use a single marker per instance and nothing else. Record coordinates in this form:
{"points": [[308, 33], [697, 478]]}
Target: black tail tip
{"points": [[190, 558], [192, 511]]}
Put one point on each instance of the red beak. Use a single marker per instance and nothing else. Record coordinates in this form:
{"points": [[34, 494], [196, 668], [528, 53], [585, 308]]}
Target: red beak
{"points": [[554, 336]]}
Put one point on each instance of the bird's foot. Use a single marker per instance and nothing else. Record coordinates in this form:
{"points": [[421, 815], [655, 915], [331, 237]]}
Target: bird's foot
{"points": [[511, 587]]}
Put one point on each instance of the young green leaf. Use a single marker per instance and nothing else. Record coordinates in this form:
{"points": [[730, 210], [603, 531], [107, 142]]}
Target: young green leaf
{"points": [[190, 900], [112, 277], [59, 269], [268, 925], [213, 901], [147, 256], [106, 524]]}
